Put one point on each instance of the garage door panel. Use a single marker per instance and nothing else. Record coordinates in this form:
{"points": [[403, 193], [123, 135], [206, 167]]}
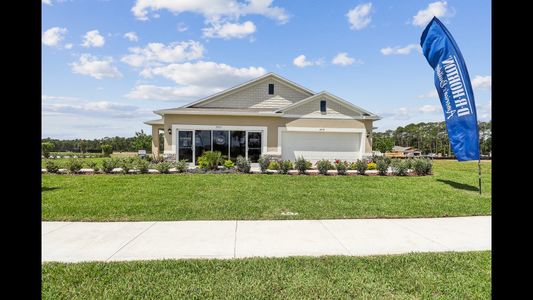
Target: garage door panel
{"points": [[321, 145]]}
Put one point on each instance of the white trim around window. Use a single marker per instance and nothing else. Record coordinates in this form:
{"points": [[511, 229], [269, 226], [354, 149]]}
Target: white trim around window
{"points": [[262, 129], [323, 129]]}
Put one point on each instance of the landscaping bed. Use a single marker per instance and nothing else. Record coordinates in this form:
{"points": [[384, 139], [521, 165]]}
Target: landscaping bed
{"points": [[451, 191], [411, 276]]}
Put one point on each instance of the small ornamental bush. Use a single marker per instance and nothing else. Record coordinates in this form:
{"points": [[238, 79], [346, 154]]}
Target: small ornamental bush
{"points": [[285, 166], [228, 164], [93, 165], [274, 165], [243, 164], [182, 166], [108, 165], [52, 166], [46, 147], [164, 167], [399, 167], [408, 163], [264, 162], [74, 165], [210, 160], [142, 165], [422, 166], [107, 150], [323, 166], [361, 165], [352, 166], [126, 165], [382, 165], [372, 166], [302, 165], [341, 167]]}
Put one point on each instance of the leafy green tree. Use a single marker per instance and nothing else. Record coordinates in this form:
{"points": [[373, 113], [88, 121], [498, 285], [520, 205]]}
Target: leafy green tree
{"points": [[142, 141], [107, 150]]}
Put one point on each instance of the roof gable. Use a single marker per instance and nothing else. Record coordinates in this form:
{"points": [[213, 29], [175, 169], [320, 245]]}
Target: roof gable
{"points": [[336, 108], [230, 98]]}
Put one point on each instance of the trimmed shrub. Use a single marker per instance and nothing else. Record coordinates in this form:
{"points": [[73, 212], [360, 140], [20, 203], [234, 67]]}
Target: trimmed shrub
{"points": [[382, 165], [274, 165], [361, 165], [210, 160], [52, 166], [108, 165], [372, 166], [323, 166], [409, 163], [352, 166], [285, 166], [422, 166], [107, 150], [142, 165], [126, 165], [341, 167], [93, 165], [228, 164], [74, 165], [181, 166], [302, 165], [164, 167], [264, 161], [46, 147], [399, 167], [243, 164]]}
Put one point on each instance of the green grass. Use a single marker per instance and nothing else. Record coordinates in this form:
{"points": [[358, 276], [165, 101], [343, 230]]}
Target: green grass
{"points": [[413, 276], [452, 191], [62, 162]]}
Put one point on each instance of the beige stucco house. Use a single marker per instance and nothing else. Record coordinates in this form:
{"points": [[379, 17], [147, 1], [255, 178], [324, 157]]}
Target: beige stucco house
{"points": [[267, 115]]}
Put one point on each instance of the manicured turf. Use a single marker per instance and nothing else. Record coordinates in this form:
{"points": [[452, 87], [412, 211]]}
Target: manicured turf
{"points": [[413, 276], [452, 191]]}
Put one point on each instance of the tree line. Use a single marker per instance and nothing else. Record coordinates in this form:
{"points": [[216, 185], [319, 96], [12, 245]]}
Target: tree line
{"points": [[428, 138], [140, 141]]}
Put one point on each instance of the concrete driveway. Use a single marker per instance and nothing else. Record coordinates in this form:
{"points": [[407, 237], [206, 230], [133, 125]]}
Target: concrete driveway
{"points": [[119, 241]]}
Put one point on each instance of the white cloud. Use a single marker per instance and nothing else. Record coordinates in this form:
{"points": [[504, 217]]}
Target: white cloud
{"points": [[212, 9], [131, 36], [229, 30], [53, 36], [402, 113], [93, 39], [49, 98], [429, 94], [182, 27], [69, 46], [205, 74], [98, 68], [157, 53], [49, 2], [482, 82], [343, 59], [437, 9], [167, 93], [399, 50], [429, 108], [359, 16], [301, 62]]}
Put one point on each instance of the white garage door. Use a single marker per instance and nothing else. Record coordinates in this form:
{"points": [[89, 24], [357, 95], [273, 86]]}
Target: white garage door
{"points": [[315, 146]]}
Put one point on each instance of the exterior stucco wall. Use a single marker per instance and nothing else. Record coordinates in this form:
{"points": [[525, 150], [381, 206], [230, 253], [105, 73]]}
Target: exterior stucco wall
{"points": [[256, 96], [272, 124]]}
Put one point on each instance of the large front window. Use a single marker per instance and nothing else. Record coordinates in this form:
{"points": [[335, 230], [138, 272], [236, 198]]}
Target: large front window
{"points": [[231, 143]]}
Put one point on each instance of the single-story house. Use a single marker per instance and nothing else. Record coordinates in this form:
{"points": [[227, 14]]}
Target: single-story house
{"points": [[399, 151], [267, 115]]}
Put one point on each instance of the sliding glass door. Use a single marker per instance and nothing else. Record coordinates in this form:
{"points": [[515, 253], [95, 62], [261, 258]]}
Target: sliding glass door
{"points": [[193, 143], [185, 149], [254, 146]]}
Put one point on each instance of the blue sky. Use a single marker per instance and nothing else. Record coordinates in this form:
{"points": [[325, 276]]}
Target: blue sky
{"points": [[106, 65]]}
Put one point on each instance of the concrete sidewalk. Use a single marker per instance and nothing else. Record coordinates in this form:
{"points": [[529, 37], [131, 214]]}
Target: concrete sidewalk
{"points": [[116, 241]]}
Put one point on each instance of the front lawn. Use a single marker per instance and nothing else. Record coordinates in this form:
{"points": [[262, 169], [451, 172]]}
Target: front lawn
{"points": [[413, 276], [452, 191]]}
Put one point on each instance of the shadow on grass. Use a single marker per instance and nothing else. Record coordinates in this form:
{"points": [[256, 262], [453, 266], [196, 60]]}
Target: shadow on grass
{"points": [[457, 185], [46, 189]]}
